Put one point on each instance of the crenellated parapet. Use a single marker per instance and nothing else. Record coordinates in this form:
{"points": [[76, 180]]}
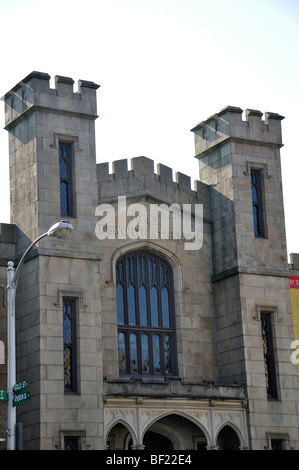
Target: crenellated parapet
{"points": [[232, 147], [229, 124], [141, 179], [34, 93], [39, 118]]}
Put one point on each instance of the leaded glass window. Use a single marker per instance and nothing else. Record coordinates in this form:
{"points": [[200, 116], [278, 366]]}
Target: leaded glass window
{"points": [[65, 160], [69, 345], [268, 351], [145, 315], [257, 203]]}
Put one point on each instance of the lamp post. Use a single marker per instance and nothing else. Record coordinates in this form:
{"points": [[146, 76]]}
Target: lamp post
{"points": [[59, 230]]}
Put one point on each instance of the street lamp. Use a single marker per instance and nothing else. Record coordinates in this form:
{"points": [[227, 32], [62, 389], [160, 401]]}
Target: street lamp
{"points": [[58, 230]]}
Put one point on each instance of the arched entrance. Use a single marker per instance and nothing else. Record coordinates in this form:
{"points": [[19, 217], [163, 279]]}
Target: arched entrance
{"points": [[119, 438], [174, 432], [154, 441], [228, 439]]}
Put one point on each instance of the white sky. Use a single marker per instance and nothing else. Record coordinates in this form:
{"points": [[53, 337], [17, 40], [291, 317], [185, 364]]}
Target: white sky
{"points": [[163, 66]]}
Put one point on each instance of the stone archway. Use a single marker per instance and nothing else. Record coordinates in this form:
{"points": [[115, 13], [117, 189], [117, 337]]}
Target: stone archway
{"points": [[119, 438], [228, 439], [174, 432], [153, 441]]}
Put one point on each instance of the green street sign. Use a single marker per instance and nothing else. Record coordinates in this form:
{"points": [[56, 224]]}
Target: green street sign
{"points": [[20, 387], [21, 398], [3, 395]]}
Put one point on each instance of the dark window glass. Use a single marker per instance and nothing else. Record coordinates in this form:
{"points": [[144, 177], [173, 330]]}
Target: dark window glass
{"points": [[228, 439], [268, 355], [145, 313], [122, 352], [133, 353], [145, 354], [156, 354], [71, 443], [65, 159], [69, 343], [277, 444], [257, 203], [143, 306], [167, 354]]}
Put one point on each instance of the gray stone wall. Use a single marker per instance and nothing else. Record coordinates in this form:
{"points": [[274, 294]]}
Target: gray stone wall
{"points": [[220, 290], [250, 274], [195, 329], [37, 118], [227, 148]]}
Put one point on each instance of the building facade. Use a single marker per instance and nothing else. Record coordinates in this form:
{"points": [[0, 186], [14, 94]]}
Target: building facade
{"points": [[164, 321]]}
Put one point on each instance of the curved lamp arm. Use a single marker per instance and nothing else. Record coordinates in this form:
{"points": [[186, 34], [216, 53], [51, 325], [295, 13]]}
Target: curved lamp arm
{"points": [[59, 230]]}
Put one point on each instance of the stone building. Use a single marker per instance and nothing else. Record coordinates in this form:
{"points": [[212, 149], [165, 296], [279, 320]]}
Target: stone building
{"points": [[132, 334]]}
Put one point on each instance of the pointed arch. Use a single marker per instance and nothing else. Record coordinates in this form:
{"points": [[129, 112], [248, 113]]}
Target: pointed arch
{"points": [[124, 438], [160, 422], [145, 315], [154, 248], [229, 437]]}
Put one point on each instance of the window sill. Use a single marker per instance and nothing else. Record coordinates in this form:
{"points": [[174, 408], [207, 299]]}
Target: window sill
{"points": [[133, 378]]}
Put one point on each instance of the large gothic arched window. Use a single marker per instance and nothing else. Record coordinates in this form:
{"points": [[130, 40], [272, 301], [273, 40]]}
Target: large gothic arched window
{"points": [[145, 315]]}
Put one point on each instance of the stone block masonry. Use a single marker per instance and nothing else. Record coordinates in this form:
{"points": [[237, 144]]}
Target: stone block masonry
{"points": [[228, 125], [217, 295], [141, 177]]}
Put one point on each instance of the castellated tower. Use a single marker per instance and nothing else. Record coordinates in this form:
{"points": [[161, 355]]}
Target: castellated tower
{"points": [[240, 162], [231, 152], [53, 177], [41, 123]]}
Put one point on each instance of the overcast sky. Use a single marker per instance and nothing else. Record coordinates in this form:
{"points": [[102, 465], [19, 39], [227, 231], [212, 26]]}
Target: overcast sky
{"points": [[163, 66]]}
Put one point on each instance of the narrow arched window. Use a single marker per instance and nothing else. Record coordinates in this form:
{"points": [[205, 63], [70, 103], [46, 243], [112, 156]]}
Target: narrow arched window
{"points": [[145, 315], [65, 166]]}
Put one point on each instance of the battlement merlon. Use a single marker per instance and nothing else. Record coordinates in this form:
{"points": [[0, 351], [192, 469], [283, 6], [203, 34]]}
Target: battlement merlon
{"points": [[229, 125], [123, 180], [34, 93]]}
